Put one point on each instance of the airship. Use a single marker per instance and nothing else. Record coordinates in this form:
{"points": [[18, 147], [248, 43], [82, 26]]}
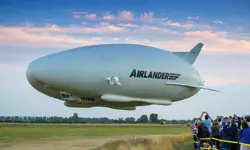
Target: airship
{"points": [[117, 76]]}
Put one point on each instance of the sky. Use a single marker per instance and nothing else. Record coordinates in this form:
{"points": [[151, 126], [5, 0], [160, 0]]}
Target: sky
{"points": [[30, 29]]}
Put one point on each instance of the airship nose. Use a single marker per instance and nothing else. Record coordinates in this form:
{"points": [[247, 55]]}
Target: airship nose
{"points": [[29, 73], [45, 71], [36, 71]]}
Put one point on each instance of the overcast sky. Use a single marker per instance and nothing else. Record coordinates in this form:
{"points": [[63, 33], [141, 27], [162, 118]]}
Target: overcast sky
{"points": [[32, 29]]}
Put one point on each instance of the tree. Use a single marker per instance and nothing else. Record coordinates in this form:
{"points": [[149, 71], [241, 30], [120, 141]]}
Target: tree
{"points": [[130, 120], [75, 117], [153, 117], [144, 119]]}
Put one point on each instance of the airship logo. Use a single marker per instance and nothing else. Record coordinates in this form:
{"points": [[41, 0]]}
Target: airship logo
{"points": [[114, 80], [153, 75]]}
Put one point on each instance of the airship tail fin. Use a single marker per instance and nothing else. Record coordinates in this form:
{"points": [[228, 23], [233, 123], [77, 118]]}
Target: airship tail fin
{"points": [[192, 55]]}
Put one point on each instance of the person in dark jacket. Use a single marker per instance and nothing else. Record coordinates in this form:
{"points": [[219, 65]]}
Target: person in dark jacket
{"points": [[239, 123], [215, 133], [203, 132], [233, 130], [248, 120], [245, 135], [224, 135]]}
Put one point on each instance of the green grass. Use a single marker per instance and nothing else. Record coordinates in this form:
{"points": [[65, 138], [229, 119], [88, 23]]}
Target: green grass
{"points": [[38, 131], [185, 146], [178, 142]]}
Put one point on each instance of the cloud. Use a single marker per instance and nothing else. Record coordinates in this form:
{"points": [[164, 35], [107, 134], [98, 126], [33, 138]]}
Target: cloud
{"points": [[20, 37], [185, 25], [148, 17], [181, 25], [205, 34], [90, 16], [127, 25], [78, 14], [52, 34], [155, 30], [218, 42], [193, 18], [84, 23], [125, 15], [214, 42], [104, 27], [109, 28], [52, 28], [115, 39], [104, 23], [96, 38], [218, 22], [28, 24], [108, 17], [244, 28]]}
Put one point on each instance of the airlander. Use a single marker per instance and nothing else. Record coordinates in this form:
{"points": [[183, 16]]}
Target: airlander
{"points": [[117, 76]]}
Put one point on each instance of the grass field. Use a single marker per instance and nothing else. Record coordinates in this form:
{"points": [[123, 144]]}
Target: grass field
{"points": [[89, 136], [173, 142], [37, 131], [187, 145]]}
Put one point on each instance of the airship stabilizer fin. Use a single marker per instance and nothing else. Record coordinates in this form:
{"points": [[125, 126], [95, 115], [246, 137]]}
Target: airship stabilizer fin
{"points": [[194, 86], [191, 56]]}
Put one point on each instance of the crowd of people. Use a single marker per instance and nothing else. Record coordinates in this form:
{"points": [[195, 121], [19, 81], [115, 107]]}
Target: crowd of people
{"points": [[221, 130]]}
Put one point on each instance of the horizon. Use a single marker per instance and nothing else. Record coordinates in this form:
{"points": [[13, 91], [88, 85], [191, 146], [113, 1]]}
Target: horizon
{"points": [[32, 29]]}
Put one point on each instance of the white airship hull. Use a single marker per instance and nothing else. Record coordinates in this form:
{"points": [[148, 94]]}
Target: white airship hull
{"points": [[107, 75]]}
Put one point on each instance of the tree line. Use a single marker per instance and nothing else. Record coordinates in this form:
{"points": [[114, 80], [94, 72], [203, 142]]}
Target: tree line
{"points": [[152, 118]]}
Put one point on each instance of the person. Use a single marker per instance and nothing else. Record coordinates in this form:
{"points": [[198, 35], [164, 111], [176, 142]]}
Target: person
{"points": [[219, 120], [194, 128], [203, 132], [230, 117], [224, 119], [233, 132], [238, 121], [207, 122], [248, 120], [224, 135], [245, 135], [215, 133]]}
